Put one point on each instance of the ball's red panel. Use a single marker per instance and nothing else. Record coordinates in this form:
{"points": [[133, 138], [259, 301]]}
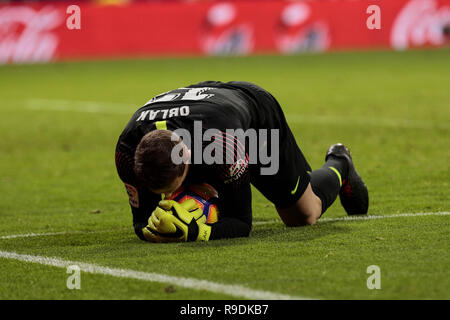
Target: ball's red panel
{"points": [[204, 195]]}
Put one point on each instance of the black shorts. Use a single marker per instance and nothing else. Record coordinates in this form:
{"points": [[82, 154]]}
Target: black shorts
{"points": [[288, 184]]}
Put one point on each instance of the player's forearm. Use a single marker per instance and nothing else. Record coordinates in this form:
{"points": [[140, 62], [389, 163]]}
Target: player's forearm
{"points": [[138, 230], [230, 228]]}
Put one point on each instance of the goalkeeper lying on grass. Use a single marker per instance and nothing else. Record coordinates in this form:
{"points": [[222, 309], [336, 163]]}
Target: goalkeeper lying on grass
{"points": [[191, 135]]}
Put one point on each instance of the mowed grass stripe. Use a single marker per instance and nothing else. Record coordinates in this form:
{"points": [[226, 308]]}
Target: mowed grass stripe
{"points": [[256, 223], [122, 108], [190, 283]]}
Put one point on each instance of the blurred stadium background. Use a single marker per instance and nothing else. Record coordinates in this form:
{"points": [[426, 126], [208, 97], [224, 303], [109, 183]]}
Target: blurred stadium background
{"points": [[39, 31]]}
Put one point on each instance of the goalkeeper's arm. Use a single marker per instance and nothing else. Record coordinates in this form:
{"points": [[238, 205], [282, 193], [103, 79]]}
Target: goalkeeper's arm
{"points": [[142, 202], [141, 213], [235, 213], [175, 222]]}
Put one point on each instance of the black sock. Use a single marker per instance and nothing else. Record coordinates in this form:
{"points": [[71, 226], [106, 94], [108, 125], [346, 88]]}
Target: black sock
{"points": [[327, 181]]}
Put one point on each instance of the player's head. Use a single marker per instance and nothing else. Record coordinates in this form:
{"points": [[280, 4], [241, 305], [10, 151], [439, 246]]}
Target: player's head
{"points": [[153, 162]]}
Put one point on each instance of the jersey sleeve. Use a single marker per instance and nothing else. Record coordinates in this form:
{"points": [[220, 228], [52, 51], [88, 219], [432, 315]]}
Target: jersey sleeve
{"points": [[234, 190], [142, 202]]}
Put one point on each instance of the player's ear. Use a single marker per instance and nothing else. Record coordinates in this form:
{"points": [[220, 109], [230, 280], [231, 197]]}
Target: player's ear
{"points": [[186, 154]]}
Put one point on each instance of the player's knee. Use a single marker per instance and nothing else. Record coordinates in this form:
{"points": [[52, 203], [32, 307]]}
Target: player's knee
{"points": [[314, 212], [305, 217], [302, 214], [310, 207], [312, 215]]}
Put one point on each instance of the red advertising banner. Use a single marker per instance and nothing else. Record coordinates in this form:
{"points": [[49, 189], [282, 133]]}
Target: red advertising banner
{"points": [[55, 31]]}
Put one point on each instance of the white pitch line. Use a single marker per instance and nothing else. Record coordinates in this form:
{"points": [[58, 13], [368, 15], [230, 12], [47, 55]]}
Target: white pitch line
{"points": [[81, 106], [28, 235], [374, 217], [366, 121], [123, 108], [190, 283], [369, 217]]}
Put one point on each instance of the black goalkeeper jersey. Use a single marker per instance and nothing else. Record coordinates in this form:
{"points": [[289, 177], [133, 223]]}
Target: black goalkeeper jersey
{"points": [[197, 108]]}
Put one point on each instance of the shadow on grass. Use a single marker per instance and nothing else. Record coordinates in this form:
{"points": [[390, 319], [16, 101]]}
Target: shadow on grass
{"points": [[277, 233], [118, 241]]}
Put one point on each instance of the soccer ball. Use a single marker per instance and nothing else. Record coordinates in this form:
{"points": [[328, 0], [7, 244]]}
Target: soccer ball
{"points": [[204, 195]]}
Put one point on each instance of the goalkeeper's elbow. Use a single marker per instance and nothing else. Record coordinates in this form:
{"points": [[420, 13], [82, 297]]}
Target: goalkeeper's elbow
{"points": [[138, 230], [240, 230], [247, 229]]}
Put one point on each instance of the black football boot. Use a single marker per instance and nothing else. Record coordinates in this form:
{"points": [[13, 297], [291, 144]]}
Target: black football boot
{"points": [[353, 193]]}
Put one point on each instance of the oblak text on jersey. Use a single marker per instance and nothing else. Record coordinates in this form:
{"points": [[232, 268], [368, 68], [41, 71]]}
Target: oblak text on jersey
{"points": [[235, 147]]}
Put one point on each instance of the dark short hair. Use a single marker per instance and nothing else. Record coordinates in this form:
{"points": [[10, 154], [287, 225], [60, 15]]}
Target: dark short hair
{"points": [[153, 164]]}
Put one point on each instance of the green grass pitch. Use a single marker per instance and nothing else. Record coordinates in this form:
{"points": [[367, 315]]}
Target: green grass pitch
{"points": [[60, 122]]}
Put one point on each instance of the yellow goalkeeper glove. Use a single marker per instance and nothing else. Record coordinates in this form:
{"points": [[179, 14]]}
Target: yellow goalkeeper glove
{"points": [[175, 222]]}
